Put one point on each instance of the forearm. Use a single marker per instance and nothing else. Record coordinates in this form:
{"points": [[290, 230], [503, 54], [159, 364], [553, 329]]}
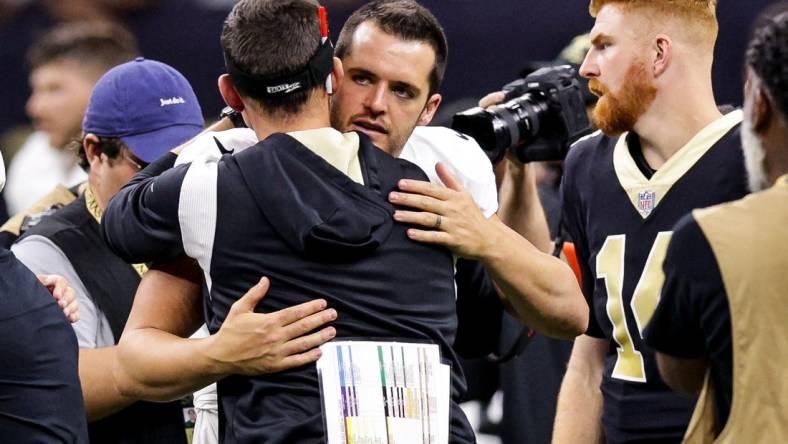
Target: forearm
{"points": [[683, 375], [541, 289], [102, 396], [159, 366], [579, 411], [155, 359], [520, 207]]}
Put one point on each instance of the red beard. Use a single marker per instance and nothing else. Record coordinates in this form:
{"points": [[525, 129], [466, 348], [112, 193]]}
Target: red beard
{"points": [[615, 114]]}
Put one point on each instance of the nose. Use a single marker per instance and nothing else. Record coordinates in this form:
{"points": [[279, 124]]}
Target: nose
{"points": [[589, 68], [375, 101], [33, 106]]}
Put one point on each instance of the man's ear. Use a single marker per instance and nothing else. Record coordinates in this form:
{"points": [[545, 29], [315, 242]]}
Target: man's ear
{"points": [[762, 109], [337, 75], [663, 54], [229, 93], [90, 143], [429, 110]]}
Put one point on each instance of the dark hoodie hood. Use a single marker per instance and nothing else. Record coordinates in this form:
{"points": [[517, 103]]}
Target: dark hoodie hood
{"points": [[316, 209]]}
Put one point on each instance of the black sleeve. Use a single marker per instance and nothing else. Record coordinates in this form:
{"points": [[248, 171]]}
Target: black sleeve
{"points": [[571, 220], [479, 311], [693, 307], [155, 168], [141, 222]]}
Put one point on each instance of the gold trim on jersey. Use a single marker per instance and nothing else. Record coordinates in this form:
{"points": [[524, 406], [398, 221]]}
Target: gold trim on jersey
{"points": [[92, 205], [338, 149], [645, 194]]}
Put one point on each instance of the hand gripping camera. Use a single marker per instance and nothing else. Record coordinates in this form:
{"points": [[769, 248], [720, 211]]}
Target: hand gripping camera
{"points": [[541, 117]]}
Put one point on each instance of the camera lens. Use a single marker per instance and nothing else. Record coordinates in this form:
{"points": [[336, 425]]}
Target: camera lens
{"points": [[503, 126], [542, 116], [487, 128]]}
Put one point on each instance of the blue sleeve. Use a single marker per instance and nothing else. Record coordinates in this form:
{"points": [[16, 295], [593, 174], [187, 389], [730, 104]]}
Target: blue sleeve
{"points": [[141, 222], [693, 308], [571, 217]]}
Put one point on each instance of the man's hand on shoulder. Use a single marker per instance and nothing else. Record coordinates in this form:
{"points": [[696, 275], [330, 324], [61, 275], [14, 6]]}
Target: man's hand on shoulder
{"points": [[449, 213], [63, 294], [253, 343]]}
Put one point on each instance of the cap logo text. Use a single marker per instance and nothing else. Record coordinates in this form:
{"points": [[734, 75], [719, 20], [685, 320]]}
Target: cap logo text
{"points": [[172, 101], [285, 88]]}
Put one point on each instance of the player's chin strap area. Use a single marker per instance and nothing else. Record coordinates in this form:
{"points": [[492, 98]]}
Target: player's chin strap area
{"points": [[315, 73]]}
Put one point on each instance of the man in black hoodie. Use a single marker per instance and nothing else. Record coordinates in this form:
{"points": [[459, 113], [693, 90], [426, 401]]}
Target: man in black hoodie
{"points": [[306, 207]]}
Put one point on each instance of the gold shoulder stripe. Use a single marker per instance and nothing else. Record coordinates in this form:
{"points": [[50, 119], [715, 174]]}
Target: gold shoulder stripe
{"points": [[645, 194]]}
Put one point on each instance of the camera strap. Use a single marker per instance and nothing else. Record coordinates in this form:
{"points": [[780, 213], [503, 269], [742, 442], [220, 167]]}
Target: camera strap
{"points": [[317, 69], [522, 341]]}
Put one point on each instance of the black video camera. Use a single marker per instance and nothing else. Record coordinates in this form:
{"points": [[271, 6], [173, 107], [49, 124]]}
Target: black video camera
{"points": [[541, 117]]}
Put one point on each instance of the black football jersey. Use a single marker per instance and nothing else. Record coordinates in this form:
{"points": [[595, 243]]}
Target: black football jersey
{"points": [[620, 221]]}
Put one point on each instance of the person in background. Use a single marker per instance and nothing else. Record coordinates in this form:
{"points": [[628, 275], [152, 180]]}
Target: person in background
{"points": [[719, 329], [137, 111], [64, 65], [664, 149]]}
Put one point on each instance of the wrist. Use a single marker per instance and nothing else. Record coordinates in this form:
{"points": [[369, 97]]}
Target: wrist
{"points": [[490, 251], [517, 169], [213, 364], [235, 118]]}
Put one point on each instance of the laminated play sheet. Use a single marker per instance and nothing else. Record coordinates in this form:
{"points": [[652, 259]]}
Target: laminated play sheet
{"points": [[384, 393]]}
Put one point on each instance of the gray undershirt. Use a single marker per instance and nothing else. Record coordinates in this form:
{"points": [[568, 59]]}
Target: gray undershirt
{"points": [[42, 256]]}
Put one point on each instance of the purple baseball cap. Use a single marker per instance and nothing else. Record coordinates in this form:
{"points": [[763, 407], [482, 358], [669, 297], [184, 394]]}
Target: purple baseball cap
{"points": [[149, 105]]}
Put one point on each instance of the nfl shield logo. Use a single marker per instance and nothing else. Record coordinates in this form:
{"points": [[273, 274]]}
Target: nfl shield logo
{"points": [[646, 201]]}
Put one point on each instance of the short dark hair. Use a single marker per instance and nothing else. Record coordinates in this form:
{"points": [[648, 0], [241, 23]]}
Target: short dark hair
{"points": [[767, 54], [98, 45], [112, 147], [273, 39], [405, 19]]}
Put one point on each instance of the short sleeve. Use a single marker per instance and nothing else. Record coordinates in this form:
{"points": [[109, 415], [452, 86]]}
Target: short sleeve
{"points": [[571, 219], [141, 222], [462, 155], [42, 256], [693, 305]]}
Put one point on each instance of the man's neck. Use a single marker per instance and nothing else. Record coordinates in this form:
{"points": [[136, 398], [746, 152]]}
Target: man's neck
{"points": [[776, 152], [312, 116], [666, 127]]}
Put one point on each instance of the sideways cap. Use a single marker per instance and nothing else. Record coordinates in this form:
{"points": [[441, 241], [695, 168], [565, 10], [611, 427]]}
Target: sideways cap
{"points": [[149, 105]]}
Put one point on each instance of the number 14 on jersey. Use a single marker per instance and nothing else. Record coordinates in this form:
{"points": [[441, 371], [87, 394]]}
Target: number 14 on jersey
{"points": [[610, 267]]}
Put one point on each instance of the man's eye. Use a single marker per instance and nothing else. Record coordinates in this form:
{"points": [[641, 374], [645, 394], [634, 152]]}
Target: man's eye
{"points": [[361, 80], [403, 93], [50, 88]]}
